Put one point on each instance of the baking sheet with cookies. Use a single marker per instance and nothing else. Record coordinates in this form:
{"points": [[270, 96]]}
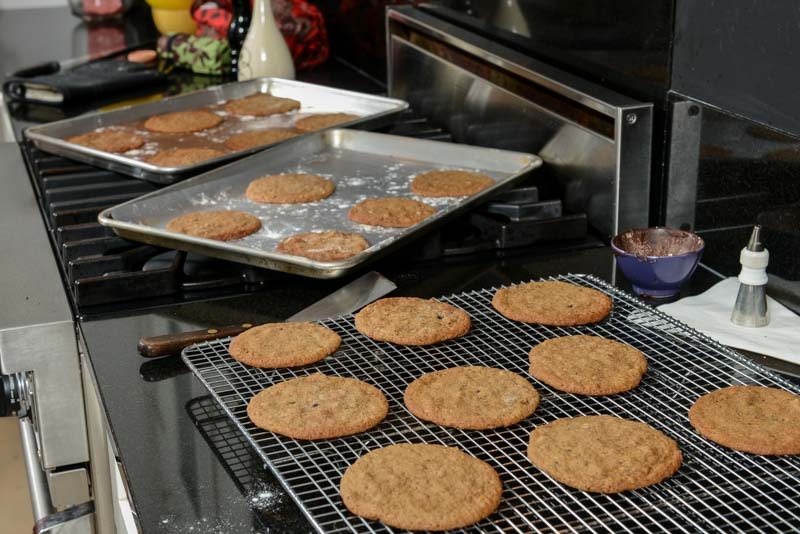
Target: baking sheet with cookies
{"points": [[362, 165], [373, 112], [716, 489]]}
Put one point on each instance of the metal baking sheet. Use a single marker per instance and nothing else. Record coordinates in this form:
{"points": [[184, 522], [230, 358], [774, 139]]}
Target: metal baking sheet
{"points": [[361, 164], [374, 112], [716, 489]]}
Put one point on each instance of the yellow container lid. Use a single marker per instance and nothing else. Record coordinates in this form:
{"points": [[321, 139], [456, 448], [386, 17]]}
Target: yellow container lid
{"points": [[172, 16]]}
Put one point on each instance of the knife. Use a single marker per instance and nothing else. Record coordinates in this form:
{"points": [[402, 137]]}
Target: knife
{"points": [[347, 299]]}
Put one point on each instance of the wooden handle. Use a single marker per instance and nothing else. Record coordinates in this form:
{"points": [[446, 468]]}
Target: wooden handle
{"points": [[157, 346]]}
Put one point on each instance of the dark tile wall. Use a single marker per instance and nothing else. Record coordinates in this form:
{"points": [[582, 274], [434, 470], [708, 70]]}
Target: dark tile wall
{"points": [[741, 56], [748, 174]]}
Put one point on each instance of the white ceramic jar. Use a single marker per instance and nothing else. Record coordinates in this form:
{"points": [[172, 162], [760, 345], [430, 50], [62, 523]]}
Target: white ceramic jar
{"points": [[264, 52]]}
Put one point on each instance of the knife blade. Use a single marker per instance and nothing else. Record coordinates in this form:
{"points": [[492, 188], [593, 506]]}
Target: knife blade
{"points": [[347, 299]]}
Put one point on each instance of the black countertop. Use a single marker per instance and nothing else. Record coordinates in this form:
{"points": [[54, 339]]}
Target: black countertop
{"points": [[185, 465]]}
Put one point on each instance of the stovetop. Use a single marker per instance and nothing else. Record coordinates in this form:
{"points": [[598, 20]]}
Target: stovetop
{"points": [[108, 274]]}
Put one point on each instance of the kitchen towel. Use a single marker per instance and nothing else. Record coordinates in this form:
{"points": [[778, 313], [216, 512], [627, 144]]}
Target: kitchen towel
{"points": [[710, 313]]}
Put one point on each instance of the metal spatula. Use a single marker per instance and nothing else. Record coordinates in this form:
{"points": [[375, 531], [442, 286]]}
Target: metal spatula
{"points": [[347, 299]]}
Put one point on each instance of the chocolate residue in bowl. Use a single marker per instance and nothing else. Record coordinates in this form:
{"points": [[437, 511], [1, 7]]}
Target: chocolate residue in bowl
{"points": [[658, 242]]}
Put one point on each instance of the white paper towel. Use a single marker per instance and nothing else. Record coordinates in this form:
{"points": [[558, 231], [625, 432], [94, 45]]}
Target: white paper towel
{"points": [[710, 313]]}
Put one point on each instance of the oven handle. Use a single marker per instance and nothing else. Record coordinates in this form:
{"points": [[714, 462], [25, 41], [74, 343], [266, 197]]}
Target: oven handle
{"points": [[73, 520], [37, 480]]}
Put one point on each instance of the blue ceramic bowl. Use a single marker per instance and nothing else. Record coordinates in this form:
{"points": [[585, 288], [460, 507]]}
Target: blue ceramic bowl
{"points": [[657, 261]]}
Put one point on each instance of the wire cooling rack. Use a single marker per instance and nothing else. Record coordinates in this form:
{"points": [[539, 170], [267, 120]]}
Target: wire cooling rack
{"points": [[716, 489]]}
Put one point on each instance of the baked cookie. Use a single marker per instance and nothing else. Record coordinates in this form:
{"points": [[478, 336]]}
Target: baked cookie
{"points": [[552, 303], [391, 212], [193, 120], [587, 365], [323, 246], [603, 454], [222, 225], [289, 188], [318, 407], [261, 105], [412, 321], [471, 397], [109, 140], [246, 140], [182, 157], [323, 120], [754, 419], [448, 183], [275, 345], [421, 487]]}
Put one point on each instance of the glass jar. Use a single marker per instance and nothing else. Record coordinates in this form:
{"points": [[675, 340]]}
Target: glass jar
{"points": [[97, 10]]}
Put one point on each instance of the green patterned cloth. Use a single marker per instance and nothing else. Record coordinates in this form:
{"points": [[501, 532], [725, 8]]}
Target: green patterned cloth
{"points": [[203, 55]]}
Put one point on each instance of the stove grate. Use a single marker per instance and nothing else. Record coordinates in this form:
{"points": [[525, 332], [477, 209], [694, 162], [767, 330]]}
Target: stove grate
{"points": [[102, 269], [716, 489]]}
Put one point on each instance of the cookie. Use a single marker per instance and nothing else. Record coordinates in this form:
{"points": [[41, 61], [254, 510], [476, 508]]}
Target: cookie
{"points": [[256, 138], [471, 397], [261, 105], [183, 121], [109, 140], [323, 246], [754, 419], [446, 183], [412, 321], [289, 188], [323, 120], [275, 345], [318, 407], [587, 365], [603, 454], [391, 212], [552, 303], [222, 225], [421, 487], [182, 157]]}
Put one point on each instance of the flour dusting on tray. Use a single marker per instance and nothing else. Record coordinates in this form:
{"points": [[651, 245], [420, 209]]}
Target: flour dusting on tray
{"points": [[361, 165]]}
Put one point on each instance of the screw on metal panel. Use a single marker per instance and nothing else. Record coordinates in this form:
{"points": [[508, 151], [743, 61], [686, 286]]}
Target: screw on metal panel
{"points": [[630, 118]]}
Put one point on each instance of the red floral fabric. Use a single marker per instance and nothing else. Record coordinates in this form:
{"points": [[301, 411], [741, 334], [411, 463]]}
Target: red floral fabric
{"points": [[301, 24], [212, 18]]}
